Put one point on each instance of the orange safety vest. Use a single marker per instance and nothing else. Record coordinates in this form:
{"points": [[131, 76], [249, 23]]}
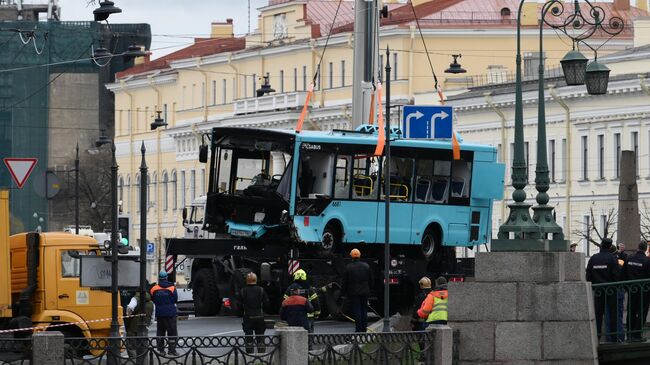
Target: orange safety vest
{"points": [[434, 306], [158, 287]]}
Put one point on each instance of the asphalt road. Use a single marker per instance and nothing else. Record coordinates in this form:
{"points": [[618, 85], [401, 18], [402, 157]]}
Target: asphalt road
{"points": [[231, 326]]}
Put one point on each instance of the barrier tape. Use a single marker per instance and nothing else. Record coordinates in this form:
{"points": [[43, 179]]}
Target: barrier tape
{"points": [[36, 328]]}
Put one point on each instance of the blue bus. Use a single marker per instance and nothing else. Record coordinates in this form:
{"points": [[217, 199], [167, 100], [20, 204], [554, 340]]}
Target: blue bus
{"points": [[326, 189]]}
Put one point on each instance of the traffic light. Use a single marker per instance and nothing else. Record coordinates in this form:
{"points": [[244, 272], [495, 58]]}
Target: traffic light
{"points": [[124, 227]]}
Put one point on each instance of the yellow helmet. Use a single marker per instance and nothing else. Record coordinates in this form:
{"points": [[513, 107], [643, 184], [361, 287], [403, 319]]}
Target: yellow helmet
{"points": [[300, 275], [251, 278]]}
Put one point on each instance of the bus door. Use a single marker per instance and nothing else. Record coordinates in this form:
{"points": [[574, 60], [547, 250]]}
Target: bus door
{"points": [[401, 207], [355, 193]]}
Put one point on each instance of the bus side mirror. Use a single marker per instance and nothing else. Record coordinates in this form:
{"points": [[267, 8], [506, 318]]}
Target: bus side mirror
{"points": [[203, 153]]}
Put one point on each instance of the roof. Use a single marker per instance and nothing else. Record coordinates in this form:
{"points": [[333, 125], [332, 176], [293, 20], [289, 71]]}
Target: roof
{"points": [[201, 47]]}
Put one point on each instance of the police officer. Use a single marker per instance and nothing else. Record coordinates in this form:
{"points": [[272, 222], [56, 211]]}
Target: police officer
{"points": [[603, 268], [357, 279], [305, 290], [254, 300], [637, 267]]}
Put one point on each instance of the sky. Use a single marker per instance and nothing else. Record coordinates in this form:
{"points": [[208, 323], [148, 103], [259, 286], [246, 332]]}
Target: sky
{"points": [[174, 23]]}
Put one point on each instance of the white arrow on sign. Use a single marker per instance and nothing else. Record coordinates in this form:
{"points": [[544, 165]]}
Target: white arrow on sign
{"points": [[20, 168], [441, 115], [416, 115]]}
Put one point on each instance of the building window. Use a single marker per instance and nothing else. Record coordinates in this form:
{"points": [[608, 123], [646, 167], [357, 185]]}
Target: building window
{"points": [[183, 185], [245, 86], [192, 185], [381, 67], [184, 97], [223, 91], [394, 68], [281, 81], [203, 192], [343, 73], [174, 189], [601, 156], [586, 228], [331, 77], [304, 78], [604, 230], [126, 203], [617, 155], [165, 191], [120, 188], [585, 158], [295, 79], [551, 152], [193, 96], [564, 159], [635, 147], [165, 112], [234, 88]]}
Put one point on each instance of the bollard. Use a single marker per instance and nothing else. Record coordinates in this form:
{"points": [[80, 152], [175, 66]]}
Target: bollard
{"points": [[294, 345], [443, 344], [47, 348]]}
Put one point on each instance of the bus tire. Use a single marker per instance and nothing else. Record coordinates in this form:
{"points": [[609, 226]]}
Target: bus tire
{"points": [[331, 238], [205, 293], [430, 244]]}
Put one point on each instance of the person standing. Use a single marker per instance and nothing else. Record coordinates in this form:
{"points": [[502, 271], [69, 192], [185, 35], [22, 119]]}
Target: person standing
{"points": [[132, 324], [295, 310], [425, 289], [304, 289], [356, 285], [165, 296], [434, 307], [603, 268], [637, 267], [254, 300]]}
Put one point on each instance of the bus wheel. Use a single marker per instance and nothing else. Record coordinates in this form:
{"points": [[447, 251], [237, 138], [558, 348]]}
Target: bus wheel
{"points": [[205, 293], [429, 244], [331, 239]]}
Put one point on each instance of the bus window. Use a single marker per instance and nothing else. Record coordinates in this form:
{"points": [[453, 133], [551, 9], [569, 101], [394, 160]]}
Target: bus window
{"points": [[440, 183], [249, 172], [225, 160], [424, 181], [364, 174], [460, 179], [314, 174], [401, 173], [341, 178]]}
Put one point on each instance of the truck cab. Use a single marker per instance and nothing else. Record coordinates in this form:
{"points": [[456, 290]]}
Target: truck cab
{"points": [[45, 269]]}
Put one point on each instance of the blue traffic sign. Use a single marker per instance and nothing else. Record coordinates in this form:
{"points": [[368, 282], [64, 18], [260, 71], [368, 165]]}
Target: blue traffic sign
{"points": [[427, 121], [150, 248]]}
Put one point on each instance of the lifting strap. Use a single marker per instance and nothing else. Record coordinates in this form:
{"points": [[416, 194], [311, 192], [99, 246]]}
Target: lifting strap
{"points": [[303, 113], [381, 136]]}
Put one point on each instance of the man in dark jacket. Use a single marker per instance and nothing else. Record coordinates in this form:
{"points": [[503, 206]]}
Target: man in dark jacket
{"points": [[135, 348], [419, 324], [356, 285], [164, 296], [253, 300], [295, 309], [304, 289], [637, 267], [603, 268]]}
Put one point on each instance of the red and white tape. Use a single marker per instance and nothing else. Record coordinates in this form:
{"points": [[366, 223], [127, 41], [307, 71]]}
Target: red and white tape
{"points": [[37, 328]]}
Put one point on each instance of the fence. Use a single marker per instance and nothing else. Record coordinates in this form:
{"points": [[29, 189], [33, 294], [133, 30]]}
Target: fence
{"points": [[621, 310]]}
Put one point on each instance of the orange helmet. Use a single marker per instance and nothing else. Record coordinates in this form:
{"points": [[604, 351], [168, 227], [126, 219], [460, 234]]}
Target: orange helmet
{"points": [[355, 253]]}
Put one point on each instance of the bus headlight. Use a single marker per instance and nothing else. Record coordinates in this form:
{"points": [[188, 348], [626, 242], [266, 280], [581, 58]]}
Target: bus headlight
{"points": [[259, 217], [393, 263]]}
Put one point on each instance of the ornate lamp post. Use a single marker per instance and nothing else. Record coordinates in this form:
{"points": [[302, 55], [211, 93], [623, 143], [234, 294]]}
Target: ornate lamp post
{"points": [[520, 232]]}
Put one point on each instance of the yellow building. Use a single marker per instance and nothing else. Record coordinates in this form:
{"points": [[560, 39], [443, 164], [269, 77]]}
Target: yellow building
{"points": [[214, 81]]}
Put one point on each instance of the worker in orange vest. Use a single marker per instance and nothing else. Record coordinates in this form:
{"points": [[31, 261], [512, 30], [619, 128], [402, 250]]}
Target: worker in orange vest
{"points": [[434, 307]]}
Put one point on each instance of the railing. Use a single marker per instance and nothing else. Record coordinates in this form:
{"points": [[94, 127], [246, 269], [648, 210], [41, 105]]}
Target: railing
{"points": [[503, 76], [371, 348], [15, 351], [622, 308], [238, 350]]}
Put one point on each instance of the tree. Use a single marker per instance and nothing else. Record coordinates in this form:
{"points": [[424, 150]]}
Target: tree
{"points": [[645, 222], [593, 234]]}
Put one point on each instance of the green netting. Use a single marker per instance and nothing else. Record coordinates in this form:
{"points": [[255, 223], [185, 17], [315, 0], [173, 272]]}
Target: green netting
{"points": [[24, 94]]}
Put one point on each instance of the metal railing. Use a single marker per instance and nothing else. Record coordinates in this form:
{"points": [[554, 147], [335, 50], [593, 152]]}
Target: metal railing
{"points": [[237, 350], [371, 348], [15, 351], [622, 308]]}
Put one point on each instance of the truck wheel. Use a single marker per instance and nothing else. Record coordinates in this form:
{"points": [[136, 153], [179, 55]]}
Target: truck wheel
{"points": [[205, 293], [331, 238]]}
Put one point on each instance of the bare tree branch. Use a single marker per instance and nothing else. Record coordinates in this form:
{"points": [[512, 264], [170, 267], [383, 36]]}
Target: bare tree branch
{"points": [[593, 234]]}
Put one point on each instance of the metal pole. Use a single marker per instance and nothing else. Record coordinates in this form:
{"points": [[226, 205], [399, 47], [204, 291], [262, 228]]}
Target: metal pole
{"points": [[386, 327], [115, 325], [76, 192], [142, 330]]}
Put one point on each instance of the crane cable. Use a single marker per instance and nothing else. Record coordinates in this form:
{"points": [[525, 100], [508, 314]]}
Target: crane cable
{"points": [[310, 90]]}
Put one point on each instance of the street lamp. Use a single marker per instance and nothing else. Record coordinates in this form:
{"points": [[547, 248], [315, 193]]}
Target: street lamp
{"points": [[520, 232], [455, 67], [105, 9], [115, 326]]}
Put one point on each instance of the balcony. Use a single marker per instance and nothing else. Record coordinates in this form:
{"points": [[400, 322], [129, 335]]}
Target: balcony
{"points": [[275, 102]]}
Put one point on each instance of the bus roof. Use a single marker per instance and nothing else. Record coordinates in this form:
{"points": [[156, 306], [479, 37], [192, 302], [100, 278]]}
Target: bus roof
{"points": [[341, 136]]}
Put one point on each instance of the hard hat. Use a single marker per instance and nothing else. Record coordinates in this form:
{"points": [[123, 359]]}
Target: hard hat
{"points": [[300, 275], [441, 281], [355, 253], [162, 274], [251, 278], [425, 282]]}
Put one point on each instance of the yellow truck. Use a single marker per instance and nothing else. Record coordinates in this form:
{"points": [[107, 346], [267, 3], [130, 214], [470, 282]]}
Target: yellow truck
{"points": [[39, 283]]}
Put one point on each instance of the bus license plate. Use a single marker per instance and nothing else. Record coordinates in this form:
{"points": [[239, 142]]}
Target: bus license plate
{"points": [[240, 233]]}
